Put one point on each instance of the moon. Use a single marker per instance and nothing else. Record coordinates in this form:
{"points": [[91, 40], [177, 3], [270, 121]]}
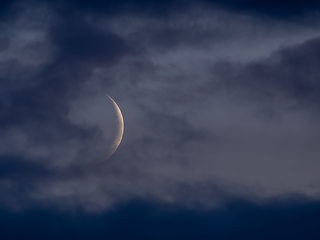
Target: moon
{"points": [[119, 133]]}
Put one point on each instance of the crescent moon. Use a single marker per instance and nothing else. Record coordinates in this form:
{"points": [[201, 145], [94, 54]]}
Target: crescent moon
{"points": [[119, 133]]}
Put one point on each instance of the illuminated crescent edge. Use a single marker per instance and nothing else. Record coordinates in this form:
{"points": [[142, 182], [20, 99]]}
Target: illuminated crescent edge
{"points": [[120, 130]]}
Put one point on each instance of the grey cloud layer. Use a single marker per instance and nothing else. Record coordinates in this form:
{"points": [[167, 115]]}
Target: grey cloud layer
{"points": [[215, 105]]}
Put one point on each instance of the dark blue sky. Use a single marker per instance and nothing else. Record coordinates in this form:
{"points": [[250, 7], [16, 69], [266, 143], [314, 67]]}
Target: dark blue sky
{"points": [[221, 107]]}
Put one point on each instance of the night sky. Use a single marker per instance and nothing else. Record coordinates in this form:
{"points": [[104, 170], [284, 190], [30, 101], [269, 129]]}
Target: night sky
{"points": [[221, 104]]}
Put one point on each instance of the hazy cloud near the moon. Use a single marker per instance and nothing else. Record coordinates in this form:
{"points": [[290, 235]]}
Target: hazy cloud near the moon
{"points": [[235, 114]]}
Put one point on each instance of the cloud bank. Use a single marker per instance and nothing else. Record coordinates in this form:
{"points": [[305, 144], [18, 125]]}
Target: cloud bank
{"points": [[217, 104]]}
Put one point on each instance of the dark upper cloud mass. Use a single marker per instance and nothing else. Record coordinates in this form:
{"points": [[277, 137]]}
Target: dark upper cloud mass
{"points": [[291, 73], [79, 42], [220, 101], [284, 9]]}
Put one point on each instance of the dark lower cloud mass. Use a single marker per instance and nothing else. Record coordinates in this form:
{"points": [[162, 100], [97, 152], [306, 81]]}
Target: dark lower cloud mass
{"points": [[139, 220], [221, 107]]}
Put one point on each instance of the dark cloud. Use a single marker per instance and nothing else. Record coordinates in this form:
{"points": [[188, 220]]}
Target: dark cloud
{"points": [[285, 9], [6, 10], [145, 7], [279, 9], [19, 169], [288, 75], [79, 42], [141, 220]]}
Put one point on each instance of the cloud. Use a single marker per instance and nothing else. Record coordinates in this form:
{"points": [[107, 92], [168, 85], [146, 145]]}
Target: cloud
{"points": [[216, 105]]}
